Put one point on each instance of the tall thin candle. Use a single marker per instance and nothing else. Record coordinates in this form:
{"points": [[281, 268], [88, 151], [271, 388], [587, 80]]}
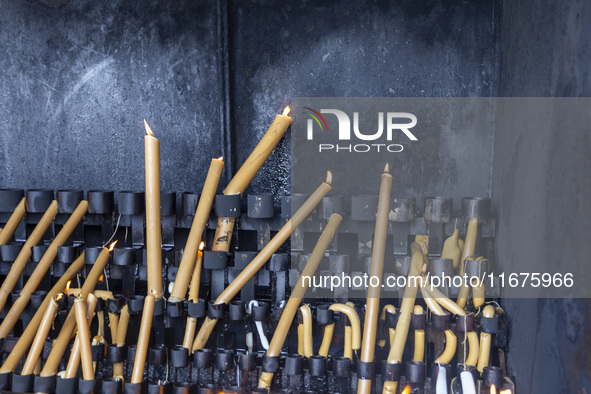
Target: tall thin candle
{"points": [[225, 226], [84, 339], [153, 223], [63, 338], [25, 254], [187, 265], [256, 264], [12, 223], [21, 347], [37, 346], [41, 269], [137, 375], [372, 311]]}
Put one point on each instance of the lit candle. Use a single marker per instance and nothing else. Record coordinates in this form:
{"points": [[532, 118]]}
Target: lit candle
{"points": [[84, 339], [153, 224], [418, 250], [63, 338], [187, 265], [21, 347], [25, 254], [41, 269], [223, 233], [467, 251], [12, 223], [37, 346], [257, 263], [372, 310], [441, 384], [468, 385], [193, 297], [137, 375], [297, 294]]}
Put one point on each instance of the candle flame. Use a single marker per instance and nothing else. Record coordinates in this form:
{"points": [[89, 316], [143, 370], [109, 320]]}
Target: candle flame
{"points": [[221, 158], [508, 391], [387, 168], [286, 111], [112, 246], [328, 177], [101, 278], [148, 129], [68, 285], [406, 390], [493, 389], [202, 245], [59, 296]]}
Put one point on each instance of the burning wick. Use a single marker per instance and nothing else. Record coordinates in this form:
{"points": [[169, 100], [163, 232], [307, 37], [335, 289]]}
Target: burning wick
{"points": [[406, 390], [68, 285], [328, 177], [387, 168], [202, 245], [286, 111], [148, 129], [493, 389], [221, 158], [112, 246]]}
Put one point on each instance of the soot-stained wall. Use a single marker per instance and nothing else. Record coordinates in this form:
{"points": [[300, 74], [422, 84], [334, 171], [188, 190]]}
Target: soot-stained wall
{"points": [[77, 79], [541, 188]]}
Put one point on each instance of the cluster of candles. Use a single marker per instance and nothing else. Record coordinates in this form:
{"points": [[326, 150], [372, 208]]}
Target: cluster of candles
{"points": [[188, 279]]}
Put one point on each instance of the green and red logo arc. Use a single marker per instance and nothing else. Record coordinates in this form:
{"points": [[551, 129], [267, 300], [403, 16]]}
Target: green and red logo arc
{"points": [[317, 117]]}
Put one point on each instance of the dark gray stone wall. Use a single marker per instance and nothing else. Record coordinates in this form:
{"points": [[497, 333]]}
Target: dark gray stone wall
{"points": [[541, 188]]}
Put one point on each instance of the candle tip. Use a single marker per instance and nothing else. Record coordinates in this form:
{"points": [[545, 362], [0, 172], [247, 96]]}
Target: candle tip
{"points": [[112, 246], [387, 168], [148, 128], [286, 111], [328, 177], [202, 245]]}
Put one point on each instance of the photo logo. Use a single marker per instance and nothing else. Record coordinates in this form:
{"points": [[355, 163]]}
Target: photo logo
{"points": [[395, 122]]}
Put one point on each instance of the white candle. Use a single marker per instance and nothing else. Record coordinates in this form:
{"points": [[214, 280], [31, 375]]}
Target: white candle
{"points": [[468, 385], [441, 385]]}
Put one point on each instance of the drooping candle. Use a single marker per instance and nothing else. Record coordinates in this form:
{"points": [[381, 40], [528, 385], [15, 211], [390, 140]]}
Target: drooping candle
{"points": [[41, 269], [12, 223], [372, 310], [25, 254], [137, 375], [187, 265], [485, 341], [257, 263], [39, 341], [63, 338], [21, 347], [153, 222], [240, 181], [297, 294], [120, 339]]}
